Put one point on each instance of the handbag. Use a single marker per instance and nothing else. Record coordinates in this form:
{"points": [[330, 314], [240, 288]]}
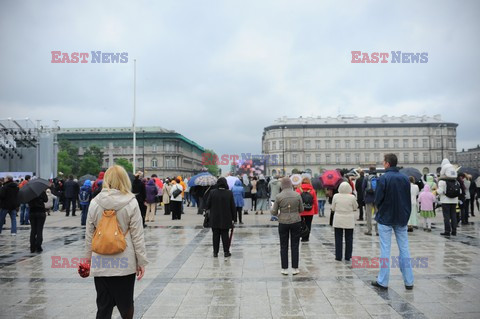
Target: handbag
{"points": [[332, 213], [176, 192], [206, 219], [304, 231]]}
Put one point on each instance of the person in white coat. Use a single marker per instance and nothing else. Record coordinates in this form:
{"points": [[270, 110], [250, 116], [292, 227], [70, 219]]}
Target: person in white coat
{"points": [[448, 174], [345, 205], [414, 191]]}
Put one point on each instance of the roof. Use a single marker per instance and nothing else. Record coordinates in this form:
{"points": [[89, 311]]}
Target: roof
{"points": [[353, 119]]}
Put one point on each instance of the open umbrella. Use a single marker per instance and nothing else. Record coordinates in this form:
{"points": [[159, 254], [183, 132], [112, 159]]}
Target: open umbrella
{"points": [[296, 179], [82, 179], [331, 178], [316, 183], [469, 170], [231, 181], [202, 179], [32, 189], [411, 171]]}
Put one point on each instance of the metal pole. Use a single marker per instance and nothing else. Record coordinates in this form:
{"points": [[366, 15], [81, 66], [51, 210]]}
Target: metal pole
{"points": [[143, 152], [283, 150], [441, 136], [134, 113]]}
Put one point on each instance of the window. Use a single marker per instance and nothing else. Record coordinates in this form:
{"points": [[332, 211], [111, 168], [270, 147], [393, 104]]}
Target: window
{"points": [[170, 162], [438, 143], [154, 163], [405, 143], [294, 158], [385, 133], [307, 145], [395, 143], [280, 145], [395, 133], [450, 143], [337, 143], [376, 143], [327, 144], [317, 144], [377, 157], [337, 133], [357, 144], [307, 158], [357, 133], [317, 133], [154, 148], [415, 157], [347, 144], [347, 133], [405, 132], [425, 132], [294, 144], [386, 143], [318, 158], [337, 158], [347, 158], [367, 143], [425, 143], [366, 132], [367, 157], [327, 159], [327, 133], [357, 158], [274, 145], [439, 157], [415, 132], [406, 158], [415, 143], [425, 157], [169, 147]]}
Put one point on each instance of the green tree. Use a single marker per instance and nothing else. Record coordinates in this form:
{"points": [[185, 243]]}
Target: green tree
{"points": [[64, 163], [92, 161], [125, 163], [210, 161], [68, 161]]}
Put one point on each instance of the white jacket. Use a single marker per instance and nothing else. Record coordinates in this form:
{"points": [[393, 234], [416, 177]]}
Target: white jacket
{"points": [[442, 188], [129, 218], [345, 205]]}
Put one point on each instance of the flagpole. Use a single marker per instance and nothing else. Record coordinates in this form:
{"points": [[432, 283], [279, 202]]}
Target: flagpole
{"points": [[134, 114]]}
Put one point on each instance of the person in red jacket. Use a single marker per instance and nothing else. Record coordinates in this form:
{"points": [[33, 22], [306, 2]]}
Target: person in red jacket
{"points": [[310, 204], [100, 178]]}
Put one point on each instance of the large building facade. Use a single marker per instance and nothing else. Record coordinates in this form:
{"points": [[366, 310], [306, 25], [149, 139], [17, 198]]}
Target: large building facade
{"points": [[470, 158], [158, 151], [313, 144]]}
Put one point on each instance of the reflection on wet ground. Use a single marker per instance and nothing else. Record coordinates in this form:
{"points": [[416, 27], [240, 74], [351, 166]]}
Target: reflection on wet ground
{"points": [[185, 281]]}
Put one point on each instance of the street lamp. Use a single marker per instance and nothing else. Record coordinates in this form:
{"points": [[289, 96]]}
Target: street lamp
{"points": [[143, 152], [283, 150]]}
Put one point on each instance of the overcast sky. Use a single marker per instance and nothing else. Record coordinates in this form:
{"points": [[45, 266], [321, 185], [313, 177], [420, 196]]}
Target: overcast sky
{"points": [[218, 72]]}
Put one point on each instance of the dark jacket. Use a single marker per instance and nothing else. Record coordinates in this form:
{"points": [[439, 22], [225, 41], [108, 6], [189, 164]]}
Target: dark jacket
{"points": [[359, 189], [367, 197], [138, 189], [262, 189], [37, 205], [71, 189], [392, 198], [8, 195], [221, 204], [151, 191]]}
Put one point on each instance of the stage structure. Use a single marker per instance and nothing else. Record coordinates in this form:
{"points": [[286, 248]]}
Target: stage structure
{"points": [[26, 147]]}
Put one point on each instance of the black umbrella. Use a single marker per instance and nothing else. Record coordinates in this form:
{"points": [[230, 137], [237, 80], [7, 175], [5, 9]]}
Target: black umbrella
{"points": [[411, 171], [32, 189], [316, 183], [82, 179], [471, 171]]}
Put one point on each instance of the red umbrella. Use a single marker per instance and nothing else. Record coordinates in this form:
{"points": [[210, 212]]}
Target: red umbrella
{"points": [[331, 178]]}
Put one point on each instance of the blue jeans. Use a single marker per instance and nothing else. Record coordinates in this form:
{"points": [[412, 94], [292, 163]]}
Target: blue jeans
{"points": [[83, 219], [13, 217], [321, 207], [24, 212], [56, 203], [385, 233]]}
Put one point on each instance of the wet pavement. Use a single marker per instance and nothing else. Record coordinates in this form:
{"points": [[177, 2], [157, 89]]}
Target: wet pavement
{"points": [[183, 280]]}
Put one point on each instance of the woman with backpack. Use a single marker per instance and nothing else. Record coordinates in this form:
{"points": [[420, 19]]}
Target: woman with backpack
{"points": [[310, 204], [151, 192], [345, 205], [84, 198], [116, 206]]}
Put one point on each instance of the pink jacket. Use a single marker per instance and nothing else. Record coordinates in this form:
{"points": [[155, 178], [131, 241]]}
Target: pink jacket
{"points": [[426, 198]]}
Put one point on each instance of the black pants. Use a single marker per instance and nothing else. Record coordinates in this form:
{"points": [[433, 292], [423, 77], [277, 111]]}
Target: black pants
{"points": [[37, 220], [308, 221], [287, 231], [176, 208], [339, 243], [167, 209], [217, 233], [254, 201], [472, 204], [115, 291], [465, 211], [449, 218], [239, 213], [73, 203], [360, 207]]}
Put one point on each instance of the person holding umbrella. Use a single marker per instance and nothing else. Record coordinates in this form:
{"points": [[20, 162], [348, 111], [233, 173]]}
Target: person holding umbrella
{"points": [[9, 203], [222, 208], [37, 217]]}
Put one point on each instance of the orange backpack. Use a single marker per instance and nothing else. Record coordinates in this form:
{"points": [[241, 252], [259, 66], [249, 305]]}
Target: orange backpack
{"points": [[108, 238]]}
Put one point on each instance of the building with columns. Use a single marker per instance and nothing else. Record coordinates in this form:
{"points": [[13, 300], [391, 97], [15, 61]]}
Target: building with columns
{"points": [[311, 144], [158, 151]]}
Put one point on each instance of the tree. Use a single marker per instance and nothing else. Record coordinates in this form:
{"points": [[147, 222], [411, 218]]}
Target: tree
{"points": [[210, 161], [92, 161], [64, 163], [68, 162], [124, 163]]}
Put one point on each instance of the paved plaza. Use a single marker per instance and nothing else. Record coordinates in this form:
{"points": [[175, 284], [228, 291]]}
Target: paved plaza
{"points": [[183, 280]]}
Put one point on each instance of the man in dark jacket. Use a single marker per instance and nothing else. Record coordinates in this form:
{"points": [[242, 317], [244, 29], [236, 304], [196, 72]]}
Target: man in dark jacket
{"points": [[138, 189], [359, 188], [392, 197], [71, 189], [9, 203], [37, 220], [221, 204]]}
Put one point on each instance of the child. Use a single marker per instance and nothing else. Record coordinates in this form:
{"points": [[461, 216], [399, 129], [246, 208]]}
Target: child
{"points": [[426, 200]]}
